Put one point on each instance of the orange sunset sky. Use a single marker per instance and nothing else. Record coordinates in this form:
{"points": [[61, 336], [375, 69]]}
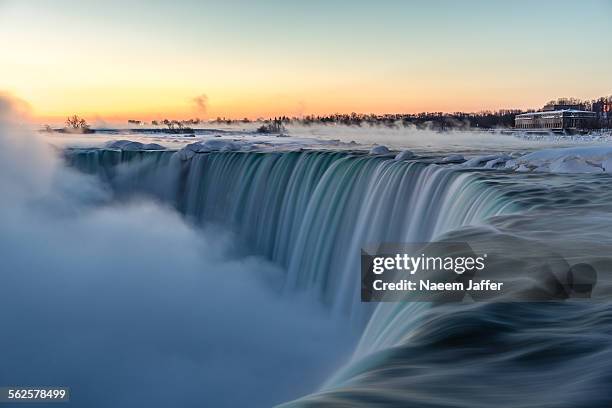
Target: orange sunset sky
{"points": [[148, 60]]}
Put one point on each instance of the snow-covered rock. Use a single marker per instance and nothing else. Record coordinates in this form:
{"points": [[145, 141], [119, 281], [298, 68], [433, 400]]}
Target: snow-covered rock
{"points": [[582, 159], [480, 161], [406, 154], [453, 158], [573, 164], [212, 145], [491, 164], [523, 169], [379, 150], [129, 145]]}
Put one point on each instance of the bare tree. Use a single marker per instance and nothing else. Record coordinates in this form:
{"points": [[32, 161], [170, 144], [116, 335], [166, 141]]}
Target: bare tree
{"points": [[77, 123]]}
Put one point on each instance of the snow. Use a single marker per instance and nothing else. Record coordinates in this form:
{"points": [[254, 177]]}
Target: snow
{"points": [[379, 150], [480, 161], [491, 164], [129, 145], [575, 160], [453, 158], [213, 145], [593, 158], [606, 164], [406, 154], [578, 160], [523, 169], [573, 165]]}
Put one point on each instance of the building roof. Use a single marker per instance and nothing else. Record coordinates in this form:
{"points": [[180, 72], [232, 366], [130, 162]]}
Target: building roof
{"points": [[562, 111]]}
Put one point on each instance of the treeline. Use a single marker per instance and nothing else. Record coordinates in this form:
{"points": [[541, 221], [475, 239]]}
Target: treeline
{"points": [[425, 120], [599, 105]]}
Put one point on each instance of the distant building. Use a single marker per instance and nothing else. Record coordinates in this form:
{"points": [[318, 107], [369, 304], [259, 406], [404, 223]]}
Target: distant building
{"points": [[562, 106], [567, 119], [602, 106]]}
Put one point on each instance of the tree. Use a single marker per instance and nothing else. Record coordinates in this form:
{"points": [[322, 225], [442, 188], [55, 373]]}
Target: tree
{"points": [[77, 123]]}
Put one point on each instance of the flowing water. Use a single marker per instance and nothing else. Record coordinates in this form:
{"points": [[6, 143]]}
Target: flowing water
{"points": [[310, 212]]}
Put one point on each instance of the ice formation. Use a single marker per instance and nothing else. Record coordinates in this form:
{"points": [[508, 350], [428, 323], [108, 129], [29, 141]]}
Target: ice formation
{"points": [[213, 145], [583, 159], [379, 150], [576, 160], [486, 161], [405, 155], [132, 146], [453, 158]]}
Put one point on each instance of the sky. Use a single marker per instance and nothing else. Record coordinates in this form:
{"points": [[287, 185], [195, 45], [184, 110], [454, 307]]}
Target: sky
{"points": [[117, 60]]}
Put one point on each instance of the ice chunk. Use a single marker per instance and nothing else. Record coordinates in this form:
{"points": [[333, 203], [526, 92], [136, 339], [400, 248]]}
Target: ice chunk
{"points": [[153, 146], [379, 150], [583, 159], [573, 164], [491, 164], [478, 161], [606, 164], [129, 145], [406, 154], [511, 164], [453, 158], [523, 169], [212, 145]]}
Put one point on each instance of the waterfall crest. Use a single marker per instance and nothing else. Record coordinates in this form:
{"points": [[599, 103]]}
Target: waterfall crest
{"points": [[310, 212]]}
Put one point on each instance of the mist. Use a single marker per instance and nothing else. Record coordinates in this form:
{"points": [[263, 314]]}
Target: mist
{"points": [[129, 305], [201, 104], [424, 140]]}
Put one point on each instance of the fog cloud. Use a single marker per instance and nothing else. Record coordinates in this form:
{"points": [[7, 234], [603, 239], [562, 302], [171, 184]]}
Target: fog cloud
{"points": [[131, 306], [201, 104]]}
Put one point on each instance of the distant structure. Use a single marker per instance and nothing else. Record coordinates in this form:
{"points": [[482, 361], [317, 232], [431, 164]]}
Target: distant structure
{"points": [[602, 106], [557, 120]]}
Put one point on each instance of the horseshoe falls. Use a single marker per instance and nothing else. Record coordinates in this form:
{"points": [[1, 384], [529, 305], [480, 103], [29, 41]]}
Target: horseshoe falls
{"points": [[231, 276], [309, 212]]}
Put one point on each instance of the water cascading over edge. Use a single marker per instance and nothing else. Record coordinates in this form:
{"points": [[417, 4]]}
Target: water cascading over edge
{"points": [[310, 212]]}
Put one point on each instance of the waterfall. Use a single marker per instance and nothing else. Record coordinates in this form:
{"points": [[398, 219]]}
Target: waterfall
{"points": [[310, 212]]}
